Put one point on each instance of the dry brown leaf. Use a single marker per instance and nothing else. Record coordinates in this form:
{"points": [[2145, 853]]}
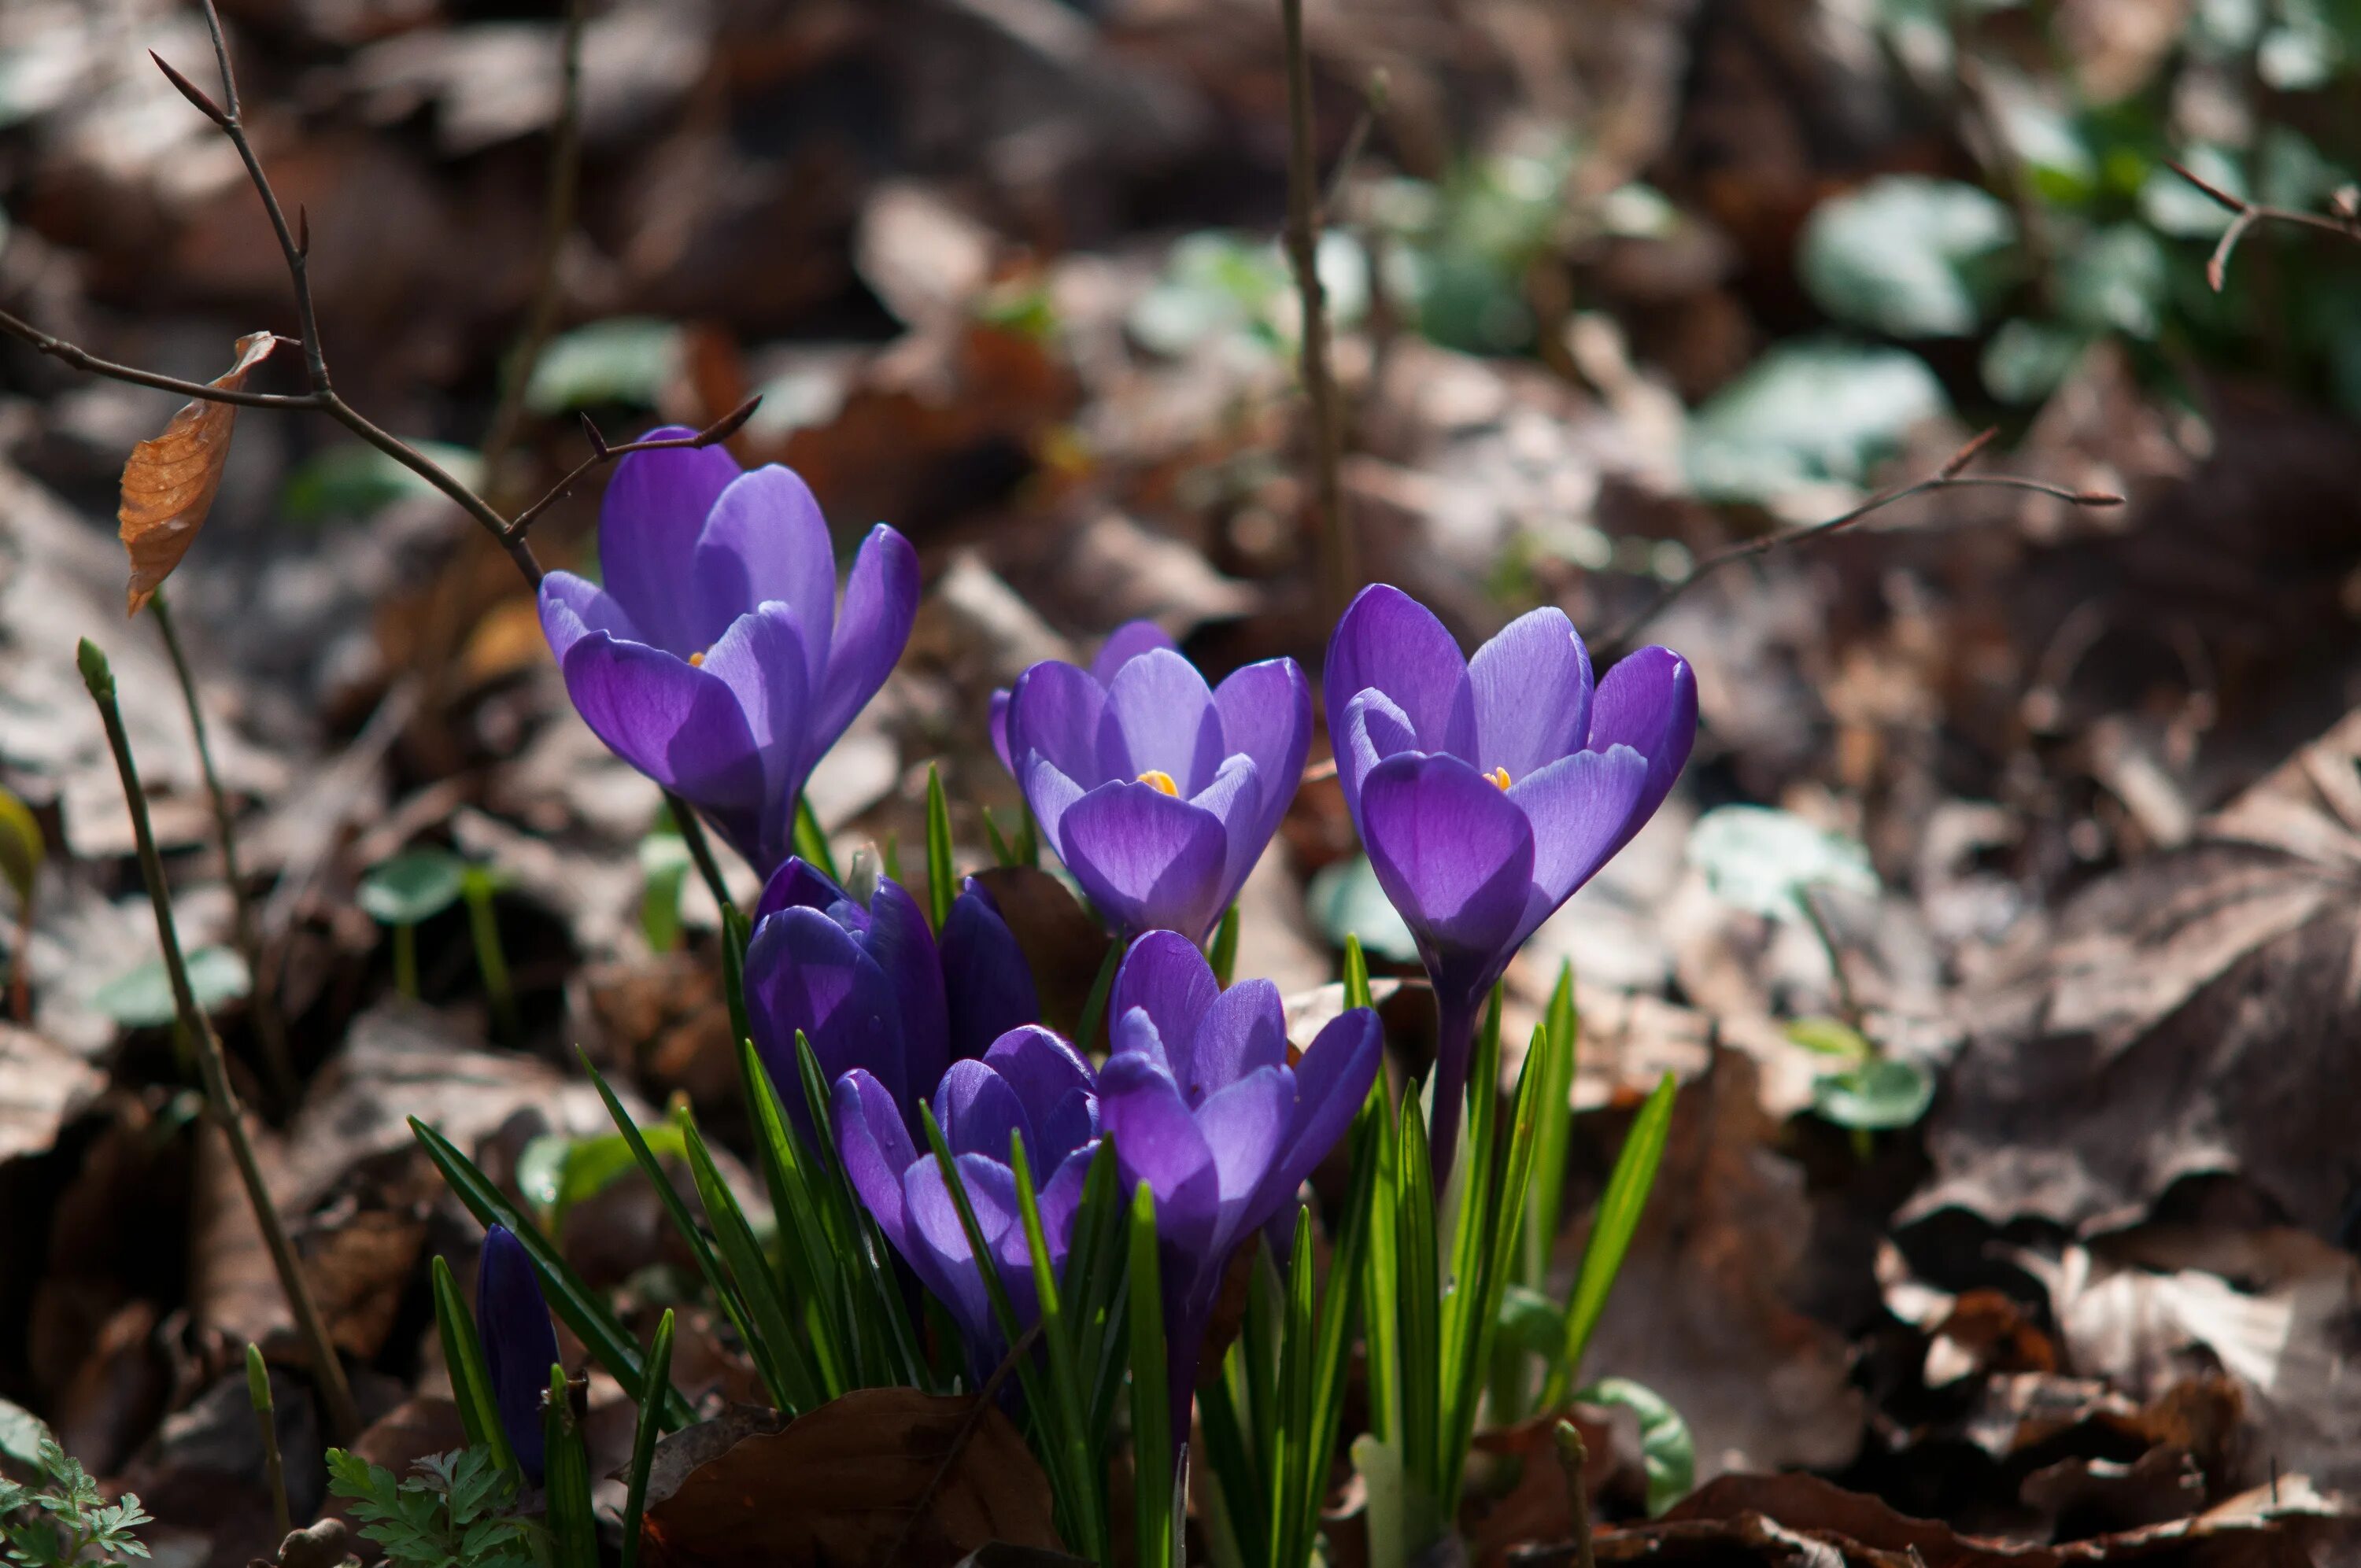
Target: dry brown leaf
{"points": [[838, 1487], [169, 481]]}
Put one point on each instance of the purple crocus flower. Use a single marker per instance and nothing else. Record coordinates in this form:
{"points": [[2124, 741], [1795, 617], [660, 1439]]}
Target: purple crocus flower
{"points": [[1158, 793], [872, 988], [1030, 1082], [1204, 1106], [1488, 789], [519, 1345], [716, 659]]}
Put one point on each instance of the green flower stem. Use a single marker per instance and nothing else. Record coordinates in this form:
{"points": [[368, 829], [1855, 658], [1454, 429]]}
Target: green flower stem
{"points": [[266, 1419], [270, 1025], [692, 833], [405, 961], [484, 926], [221, 1098]]}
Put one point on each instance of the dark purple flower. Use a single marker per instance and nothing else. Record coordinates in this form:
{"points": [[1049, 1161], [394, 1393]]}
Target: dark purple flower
{"points": [[1159, 795], [519, 1345], [870, 988], [1204, 1107], [1488, 789], [1030, 1082], [716, 659]]}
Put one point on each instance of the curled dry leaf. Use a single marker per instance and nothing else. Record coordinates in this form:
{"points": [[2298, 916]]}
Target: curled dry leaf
{"points": [[838, 1486], [169, 481]]}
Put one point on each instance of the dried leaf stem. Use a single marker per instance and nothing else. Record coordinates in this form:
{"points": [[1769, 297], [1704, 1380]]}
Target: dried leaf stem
{"points": [[2344, 222], [270, 1025], [1947, 478], [1339, 573], [221, 1097]]}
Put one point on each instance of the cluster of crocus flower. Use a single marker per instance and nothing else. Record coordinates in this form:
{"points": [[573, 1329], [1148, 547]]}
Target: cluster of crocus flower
{"points": [[1487, 790]]}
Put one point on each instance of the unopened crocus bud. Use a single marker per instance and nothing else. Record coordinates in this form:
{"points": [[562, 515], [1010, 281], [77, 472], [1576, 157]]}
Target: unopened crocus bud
{"points": [[519, 1345]]}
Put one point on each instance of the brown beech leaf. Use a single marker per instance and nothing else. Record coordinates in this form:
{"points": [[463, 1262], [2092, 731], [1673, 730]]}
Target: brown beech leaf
{"points": [[169, 483], [848, 1482]]}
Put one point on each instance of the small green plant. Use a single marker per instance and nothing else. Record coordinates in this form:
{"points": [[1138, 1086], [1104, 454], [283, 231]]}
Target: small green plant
{"points": [[65, 1519], [450, 1515]]}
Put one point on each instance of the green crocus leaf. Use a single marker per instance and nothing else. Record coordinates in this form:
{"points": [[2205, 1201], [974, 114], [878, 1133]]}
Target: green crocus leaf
{"points": [[414, 885], [1907, 256], [1875, 1096], [142, 999]]}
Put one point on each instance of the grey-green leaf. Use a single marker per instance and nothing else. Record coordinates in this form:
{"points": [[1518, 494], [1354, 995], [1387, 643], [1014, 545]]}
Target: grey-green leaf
{"points": [[1808, 414], [1875, 1096], [1908, 255], [1761, 859], [143, 998], [414, 885], [1346, 900]]}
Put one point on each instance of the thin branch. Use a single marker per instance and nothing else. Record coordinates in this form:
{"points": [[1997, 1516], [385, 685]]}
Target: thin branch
{"points": [[721, 430], [1338, 573], [557, 221], [268, 1022], [1947, 478], [434, 473], [2246, 215], [1374, 93], [83, 359], [692, 834], [221, 1097]]}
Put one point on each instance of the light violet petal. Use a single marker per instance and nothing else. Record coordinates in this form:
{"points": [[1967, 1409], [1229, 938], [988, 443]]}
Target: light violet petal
{"points": [[649, 523], [1124, 643], [572, 608], [677, 724], [1330, 1083], [1054, 710], [1158, 1141], [1241, 1034], [1388, 640], [998, 723], [876, 1149], [978, 1111], [1533, 693], [796, 883], [1266, 712], [881, 599], [1048, 795], [1147, 861], [1452, 853], [1373, 730], [805, 972], [1245, 1126], [766, 540], [1160, 717], [1043, 1071], [1166, 976], [1235, 797], [1579, 806], [1648, 702]]}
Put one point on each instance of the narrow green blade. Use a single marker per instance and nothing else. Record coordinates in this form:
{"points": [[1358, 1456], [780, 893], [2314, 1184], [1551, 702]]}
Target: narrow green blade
{"points": [[471, 1381], [941, 885], [802, 1367], [566, 1480], [1559, 1039], [1152, 1421], [812, 839], [1224, 956], [1610, 1237], [644, 1436]]}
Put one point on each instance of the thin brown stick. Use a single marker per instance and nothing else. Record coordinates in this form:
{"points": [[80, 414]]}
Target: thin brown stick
{"points": [[557, 221], [1574, 1457], [268, 1024], [2246, 215], [1339, 575], [221, 1096], [1947, 478], [1374, 94], [83, 359], [721, 430]]}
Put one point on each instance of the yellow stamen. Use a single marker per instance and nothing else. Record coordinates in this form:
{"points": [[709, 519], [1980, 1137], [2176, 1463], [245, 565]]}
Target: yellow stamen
{"points": [[1500, 776], [697, 660], [1157, 778]]}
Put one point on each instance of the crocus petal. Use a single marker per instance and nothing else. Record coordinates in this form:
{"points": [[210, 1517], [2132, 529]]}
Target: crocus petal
{"points": [[1579, 807], [876, 1148], [805, 972], [1388, 640], [761, 659], [1146, 859], [1234, 798], [1054, 710], [881, 599], [987, 985], [681, 726], [1243, 1032], [1648, 702], [519, 1345], [1266, 712], [1158, 1141], [766, 540], [1245, 1126], [1332, 1082], [979, 1112], [940, 1255], [1160, 717], [1165, 976], [999, 725], [572, 608], [648, 523], [1048, 795], [1062, 1196], [1124, 643], [1533, 693], [1373, 730], [1044, 1074], [1452, 853], [796, 883], [898, 939], [1135, 1034]]}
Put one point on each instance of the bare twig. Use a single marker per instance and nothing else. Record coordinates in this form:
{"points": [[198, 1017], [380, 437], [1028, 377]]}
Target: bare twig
{"points": [[1374, 94], [2245, 215], [1947, 478], [557, 221], [83, 359], [721, 430], [269, 1024], [221, 1097], [1338, 572]]}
